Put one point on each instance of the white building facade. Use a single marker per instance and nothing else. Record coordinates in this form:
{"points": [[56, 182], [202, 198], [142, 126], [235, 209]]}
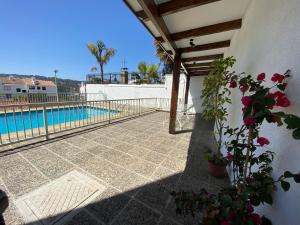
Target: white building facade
{"points": [[10, 87]]}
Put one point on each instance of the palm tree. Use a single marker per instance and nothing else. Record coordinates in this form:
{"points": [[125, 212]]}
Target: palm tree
{"points": [[164, 57], [153, 72], [94, 69], [102, 54], [148, 73]]}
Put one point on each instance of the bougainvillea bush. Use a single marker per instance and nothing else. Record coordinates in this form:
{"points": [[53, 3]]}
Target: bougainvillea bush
{"points": [[253, 183]]}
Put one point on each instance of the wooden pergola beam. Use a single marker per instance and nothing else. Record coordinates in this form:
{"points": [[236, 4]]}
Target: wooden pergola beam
{"points": [[207, 30], [199, 74], [198, 70], [204, 47], [207, 64], [151, 10], [202, 58], [174, 6]]}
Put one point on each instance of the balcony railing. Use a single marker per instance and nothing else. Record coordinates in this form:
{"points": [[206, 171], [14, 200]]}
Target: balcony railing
{"points": [[21, 122]]}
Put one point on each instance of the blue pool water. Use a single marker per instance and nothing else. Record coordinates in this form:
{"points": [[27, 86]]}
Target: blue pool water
{"points": [[54, 117]]}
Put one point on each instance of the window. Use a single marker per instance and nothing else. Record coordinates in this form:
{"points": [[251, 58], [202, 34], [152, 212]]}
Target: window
{"points": [[8, 96], [38, 87], [23, 91], [18, 89], [44, 88], [32, 87], [7, 88]]}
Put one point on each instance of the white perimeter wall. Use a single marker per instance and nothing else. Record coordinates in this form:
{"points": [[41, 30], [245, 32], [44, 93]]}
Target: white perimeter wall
{"points": [[121, 91], [269, 41]]}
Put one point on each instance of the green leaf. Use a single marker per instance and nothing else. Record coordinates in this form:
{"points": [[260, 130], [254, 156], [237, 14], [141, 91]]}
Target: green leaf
{"points": [[268, 199], [285, 185], [296, 134], [297, 178], [288, 174]]}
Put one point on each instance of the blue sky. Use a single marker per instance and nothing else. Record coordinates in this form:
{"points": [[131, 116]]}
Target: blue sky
{"points": [[37, 36]]}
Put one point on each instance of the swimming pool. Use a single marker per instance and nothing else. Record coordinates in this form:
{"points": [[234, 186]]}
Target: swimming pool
{"points": [[12, 122]]}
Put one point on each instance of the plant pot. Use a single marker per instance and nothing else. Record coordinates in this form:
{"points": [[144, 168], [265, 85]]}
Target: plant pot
{"points": [[217, 170]]}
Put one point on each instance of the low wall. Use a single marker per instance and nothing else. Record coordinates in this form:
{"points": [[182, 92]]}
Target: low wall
{"points": [[163, 91]]}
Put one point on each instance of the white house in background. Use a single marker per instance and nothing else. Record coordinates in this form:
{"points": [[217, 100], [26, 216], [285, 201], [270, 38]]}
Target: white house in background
{"points": [[11, 86]]}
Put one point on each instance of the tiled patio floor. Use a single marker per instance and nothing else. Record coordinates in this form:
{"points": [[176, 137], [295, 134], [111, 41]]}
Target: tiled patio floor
{"points": [[137, 161]]}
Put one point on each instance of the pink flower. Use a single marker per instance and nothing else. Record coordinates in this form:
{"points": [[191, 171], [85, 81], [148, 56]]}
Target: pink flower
{"points": [[247, 100], [232, 84], [229, 156], [262, 141], [283, 102], [279, 94], [250, 207], [255, 218], [261, 77], [244, 88], [249, 121], [277, 78]]}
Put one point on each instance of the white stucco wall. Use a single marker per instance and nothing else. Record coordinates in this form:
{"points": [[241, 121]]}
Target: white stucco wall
{"points": [[269, 42], [122, 91]]}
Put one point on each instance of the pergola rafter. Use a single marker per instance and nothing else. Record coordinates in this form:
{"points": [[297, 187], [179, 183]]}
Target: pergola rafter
{"points": [[174, 6]]}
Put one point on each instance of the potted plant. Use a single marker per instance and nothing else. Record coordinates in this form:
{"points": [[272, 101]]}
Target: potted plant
{"points": [[215, 95], [252, 184], [217, 163]]}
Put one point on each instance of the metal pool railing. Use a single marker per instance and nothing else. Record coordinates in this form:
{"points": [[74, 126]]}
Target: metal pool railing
{"points": [[21, 122]]}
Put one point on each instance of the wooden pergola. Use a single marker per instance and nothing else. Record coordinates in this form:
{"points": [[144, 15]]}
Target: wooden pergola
{"points": [[192, 32]]}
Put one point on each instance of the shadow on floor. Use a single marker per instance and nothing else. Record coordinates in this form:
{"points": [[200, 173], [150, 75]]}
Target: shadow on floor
{"points": [[151, 203]]}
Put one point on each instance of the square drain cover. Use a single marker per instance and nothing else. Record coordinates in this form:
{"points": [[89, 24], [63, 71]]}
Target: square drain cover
{"points": [[58, 199]]}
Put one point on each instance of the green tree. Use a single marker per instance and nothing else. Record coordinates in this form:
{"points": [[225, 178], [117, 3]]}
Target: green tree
{"points": [[216, 94], [148, 72], [102, 54]]}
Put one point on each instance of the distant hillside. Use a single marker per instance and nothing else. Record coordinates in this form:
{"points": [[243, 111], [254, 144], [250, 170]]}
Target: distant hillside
{"points": [[64, 85]]}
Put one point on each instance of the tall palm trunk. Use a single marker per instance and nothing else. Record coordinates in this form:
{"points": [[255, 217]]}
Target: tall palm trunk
{"points": [[102, 73]]}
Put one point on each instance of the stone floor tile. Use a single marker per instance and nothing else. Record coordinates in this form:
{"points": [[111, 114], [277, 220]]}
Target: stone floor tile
{"points": [[154, 157], [143, 167], [129, 216], [108, 205], [174, 164], [82, 218], [166, 178], [47, 162], [19, 176], [153, 195]]}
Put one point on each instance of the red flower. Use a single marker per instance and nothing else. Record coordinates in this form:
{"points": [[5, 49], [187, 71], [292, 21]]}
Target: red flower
{"points": [[250, 207], [247, 100], [261, 77], [244, 88], [277, 78], [255, 218], [270, 95], [229, 156], [232, 84], [249, 121], [262, 141], [283, 102], [225, 222], [279, 94]]}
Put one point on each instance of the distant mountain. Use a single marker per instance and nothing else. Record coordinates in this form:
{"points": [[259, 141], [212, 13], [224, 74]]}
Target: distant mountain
{"points": [[63, 85]]}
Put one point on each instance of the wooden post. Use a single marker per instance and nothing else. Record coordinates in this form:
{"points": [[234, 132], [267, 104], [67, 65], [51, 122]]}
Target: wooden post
{"points": [[187, 89], [174, 94]]}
